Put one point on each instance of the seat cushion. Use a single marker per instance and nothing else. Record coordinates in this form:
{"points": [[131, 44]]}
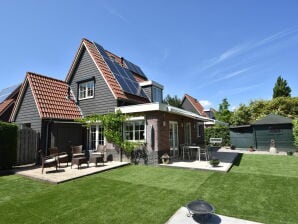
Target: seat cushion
{"points": [[50, 160]]}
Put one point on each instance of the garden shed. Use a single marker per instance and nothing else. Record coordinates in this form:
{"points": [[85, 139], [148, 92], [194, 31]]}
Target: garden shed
{"points": [[260, 133]]}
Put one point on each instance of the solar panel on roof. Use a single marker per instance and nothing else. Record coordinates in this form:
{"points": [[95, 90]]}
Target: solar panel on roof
{"points": [[123, 75], [4, 93], [134, 68]]}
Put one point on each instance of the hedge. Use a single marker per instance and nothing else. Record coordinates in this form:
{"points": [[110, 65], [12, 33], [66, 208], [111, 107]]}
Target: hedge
{"points": [[8, 145], [218, 132]]}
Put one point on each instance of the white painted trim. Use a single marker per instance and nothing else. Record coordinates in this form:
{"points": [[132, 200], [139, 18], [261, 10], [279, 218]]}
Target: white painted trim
{"points": [[146, 107], [151, 82], [135, 118]]}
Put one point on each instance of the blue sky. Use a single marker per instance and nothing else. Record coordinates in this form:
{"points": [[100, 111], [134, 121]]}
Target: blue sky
{"points": [[207, 49]]}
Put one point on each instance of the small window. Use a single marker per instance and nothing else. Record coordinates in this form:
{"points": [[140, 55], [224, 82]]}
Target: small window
{"points": [[156, 94], [134, 130], [86, 90], [26, 125]]}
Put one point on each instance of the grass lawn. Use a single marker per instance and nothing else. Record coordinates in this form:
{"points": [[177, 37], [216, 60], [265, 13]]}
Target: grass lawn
{"points": [[260, 188]]}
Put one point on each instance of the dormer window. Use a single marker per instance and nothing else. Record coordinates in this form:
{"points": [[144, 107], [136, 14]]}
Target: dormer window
{"points": [[156, 94], [86, 90]]}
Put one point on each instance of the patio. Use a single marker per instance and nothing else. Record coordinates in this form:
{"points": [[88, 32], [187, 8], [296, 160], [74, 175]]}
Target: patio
{"points": [[226, 162], [66, 173]]}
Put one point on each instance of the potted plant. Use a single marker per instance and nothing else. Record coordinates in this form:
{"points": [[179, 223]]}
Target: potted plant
{"points": [[289, 153], [251, 149], [165, 158], [214, 162]]}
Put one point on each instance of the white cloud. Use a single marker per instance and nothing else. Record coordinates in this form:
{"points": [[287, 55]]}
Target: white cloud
{"points": [[117, 14], [205, 103]]}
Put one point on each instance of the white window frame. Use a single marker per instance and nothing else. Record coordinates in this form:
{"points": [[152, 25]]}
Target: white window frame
{"points": [[88, 87], [98, 127], [134, 122]]}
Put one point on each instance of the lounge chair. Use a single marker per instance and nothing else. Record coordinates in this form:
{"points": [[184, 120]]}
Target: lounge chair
{"points": [[61, 157], [48, 161]]}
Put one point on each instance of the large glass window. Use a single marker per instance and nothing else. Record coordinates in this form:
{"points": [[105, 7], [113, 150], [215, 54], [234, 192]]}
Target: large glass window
{"points": [[199, 129], [187, 133], [86, 90], [134, 130], [96, 136], [156, 94]]}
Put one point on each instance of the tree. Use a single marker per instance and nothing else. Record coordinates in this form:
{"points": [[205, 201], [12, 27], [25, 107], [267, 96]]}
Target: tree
{"points": [[281, 88], [223, 113], [241, 116], [173, 101]]}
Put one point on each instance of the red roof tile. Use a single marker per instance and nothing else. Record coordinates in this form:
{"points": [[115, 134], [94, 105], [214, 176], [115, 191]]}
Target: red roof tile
{"points": [[5, 104], [199, 108], [51, 97]]}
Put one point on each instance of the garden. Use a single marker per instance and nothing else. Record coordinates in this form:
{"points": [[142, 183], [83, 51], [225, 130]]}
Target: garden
{"points": [[259, 188]]}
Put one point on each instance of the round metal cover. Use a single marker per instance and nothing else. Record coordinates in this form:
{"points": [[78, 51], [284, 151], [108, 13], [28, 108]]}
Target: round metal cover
{"points": [[200, 207]]}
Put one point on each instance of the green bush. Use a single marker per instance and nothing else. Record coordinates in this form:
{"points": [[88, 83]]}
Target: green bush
{"points": [[8, 145], [218, 132], [295, 132]]}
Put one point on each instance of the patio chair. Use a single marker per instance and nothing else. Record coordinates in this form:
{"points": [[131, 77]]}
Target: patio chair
{"points": [[76, 151], [47, 161], [100, 149], [205, 152], [61, 157]]}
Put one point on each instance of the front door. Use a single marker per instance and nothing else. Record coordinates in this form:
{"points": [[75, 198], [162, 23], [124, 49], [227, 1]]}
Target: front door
{"points": [[173, 138]]}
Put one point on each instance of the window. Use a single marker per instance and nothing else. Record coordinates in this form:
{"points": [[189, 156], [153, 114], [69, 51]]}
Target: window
{"points": [[96, 136], [86, 90], [199, 129], [187, 133], [134, 130], [156, 94]]}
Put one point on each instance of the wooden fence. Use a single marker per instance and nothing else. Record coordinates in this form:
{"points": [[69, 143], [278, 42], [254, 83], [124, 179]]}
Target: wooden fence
{"points": [[28, 141]]}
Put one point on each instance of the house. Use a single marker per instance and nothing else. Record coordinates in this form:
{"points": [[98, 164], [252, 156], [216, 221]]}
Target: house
{"points": [[99, 82], [8, 97], [47, 106], [260, 133]]}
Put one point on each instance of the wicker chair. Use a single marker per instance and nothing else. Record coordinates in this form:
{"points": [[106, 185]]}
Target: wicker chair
{"points": [[48, 161], [76, 151], [101, 149], [61, 157]]}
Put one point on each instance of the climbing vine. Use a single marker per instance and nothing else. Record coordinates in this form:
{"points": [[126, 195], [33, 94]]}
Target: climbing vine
{"points": [[112, 124]]}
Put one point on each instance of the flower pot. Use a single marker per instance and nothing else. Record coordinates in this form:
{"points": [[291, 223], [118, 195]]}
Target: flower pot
{"points": [[289, 153], [214, 162]]}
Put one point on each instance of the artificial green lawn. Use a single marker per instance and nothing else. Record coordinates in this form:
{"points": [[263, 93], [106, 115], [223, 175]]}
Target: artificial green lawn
{"points": [[260, 188]]}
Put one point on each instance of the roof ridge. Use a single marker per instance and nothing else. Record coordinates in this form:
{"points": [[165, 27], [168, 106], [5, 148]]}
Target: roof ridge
{"points": [[45, 76]]}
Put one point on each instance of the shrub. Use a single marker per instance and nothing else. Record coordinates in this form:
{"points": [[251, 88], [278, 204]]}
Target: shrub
{"points": [[218, 132], [8, 145], [295, 132]]}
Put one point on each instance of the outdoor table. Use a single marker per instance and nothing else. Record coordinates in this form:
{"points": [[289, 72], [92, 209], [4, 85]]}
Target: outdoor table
{"points": [[198, 156], [79, 161], [96, 158]]}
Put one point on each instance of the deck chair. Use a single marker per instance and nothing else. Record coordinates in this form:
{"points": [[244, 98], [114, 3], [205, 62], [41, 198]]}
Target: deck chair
{"points": [[47, 161], [61, 157]]}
